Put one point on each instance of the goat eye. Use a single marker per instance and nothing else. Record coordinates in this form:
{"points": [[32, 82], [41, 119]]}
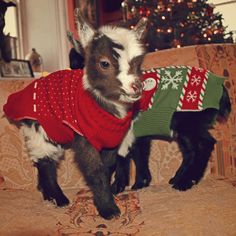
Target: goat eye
{"points": [[104, 64]]}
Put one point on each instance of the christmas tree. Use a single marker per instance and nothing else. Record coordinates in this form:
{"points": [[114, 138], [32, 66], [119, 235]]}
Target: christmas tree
{"points": [[177, 23]]}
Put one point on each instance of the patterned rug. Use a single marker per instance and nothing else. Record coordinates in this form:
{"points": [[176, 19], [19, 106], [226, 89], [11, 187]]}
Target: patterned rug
{"points": [[84, 218], [208, 209]]}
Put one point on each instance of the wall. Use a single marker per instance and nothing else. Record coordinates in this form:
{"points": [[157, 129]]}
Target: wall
{"points": [[11, 23], [44, 24], [228, 13]]}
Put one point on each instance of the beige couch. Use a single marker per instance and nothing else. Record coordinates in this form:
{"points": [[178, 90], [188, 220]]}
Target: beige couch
{"points": [[22, 211]]}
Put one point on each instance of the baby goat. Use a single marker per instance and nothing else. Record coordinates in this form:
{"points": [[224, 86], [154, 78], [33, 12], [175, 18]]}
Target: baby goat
{"points": [[170, 112], [91, 109]]}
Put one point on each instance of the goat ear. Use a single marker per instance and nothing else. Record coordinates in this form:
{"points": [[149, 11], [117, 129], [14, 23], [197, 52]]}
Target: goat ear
{"points": [[140, 28], [85, 30], [76, 44]]}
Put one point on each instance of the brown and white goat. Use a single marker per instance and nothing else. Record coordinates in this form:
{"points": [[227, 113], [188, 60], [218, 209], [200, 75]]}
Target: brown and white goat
{"points": [[111, 80]]}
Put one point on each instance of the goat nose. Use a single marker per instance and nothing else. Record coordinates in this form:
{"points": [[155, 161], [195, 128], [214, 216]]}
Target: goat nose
{"points": [[137, 87]]}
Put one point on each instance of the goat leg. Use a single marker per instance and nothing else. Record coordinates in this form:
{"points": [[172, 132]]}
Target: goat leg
{"points": [[97, 177], [205, 148], [140, 155], [196, 150], [47, 181], [183, 178], [121, 179]]}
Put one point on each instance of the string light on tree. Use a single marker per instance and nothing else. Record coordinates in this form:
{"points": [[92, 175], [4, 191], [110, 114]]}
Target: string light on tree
{"points": [[177, 23], [169, 30]]}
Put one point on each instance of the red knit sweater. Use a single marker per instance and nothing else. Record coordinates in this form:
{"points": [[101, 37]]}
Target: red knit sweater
{"points": [[61, 105]]}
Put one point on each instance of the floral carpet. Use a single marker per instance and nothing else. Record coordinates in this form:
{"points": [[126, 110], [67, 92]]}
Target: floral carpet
{"points": [[85, 220], [209, 209]]}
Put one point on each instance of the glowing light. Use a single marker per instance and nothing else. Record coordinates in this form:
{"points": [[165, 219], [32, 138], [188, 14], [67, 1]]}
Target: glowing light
{"points": [[169, 30], [163, 17], [178, 46], [123, 4], [205, 35]]}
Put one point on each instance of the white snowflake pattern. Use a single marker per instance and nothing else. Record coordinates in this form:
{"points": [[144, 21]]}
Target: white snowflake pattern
{"points": [[196, 80], [200, 69], [191, 96], [173, 81]]}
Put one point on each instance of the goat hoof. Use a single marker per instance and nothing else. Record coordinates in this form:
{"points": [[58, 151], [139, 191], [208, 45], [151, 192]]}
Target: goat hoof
{"points": [[109, 212], [141, 184], [117, 187], [138, 185], [62, 201], [183, 185], [58, 201], [172, 180]]}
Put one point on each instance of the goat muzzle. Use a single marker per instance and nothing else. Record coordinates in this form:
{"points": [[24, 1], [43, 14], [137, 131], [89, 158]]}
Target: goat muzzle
{"points": [[137, 89]]}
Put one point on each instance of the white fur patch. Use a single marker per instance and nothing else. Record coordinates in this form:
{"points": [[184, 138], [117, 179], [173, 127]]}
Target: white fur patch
{"points": [[127, 38], [124, 76], [86, 83], [38, 146], [85, 33], [121, 110], [132, 48], [127, 142]]}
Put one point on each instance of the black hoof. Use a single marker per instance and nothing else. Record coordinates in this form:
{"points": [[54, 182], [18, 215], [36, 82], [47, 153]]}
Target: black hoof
{"points": [[117, 187], [59, 201], [62, 201], [141, 184], [183, 185], [172, 180], [109, 212], [142, 181]]}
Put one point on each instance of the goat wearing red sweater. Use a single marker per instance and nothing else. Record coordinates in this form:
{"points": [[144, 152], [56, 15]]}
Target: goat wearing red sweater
{"points": [[90, 109]]}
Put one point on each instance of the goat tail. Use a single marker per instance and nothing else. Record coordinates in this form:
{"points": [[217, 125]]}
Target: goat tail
{"points": [[225, 106]]}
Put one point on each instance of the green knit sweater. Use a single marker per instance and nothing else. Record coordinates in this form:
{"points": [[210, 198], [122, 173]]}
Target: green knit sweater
{"points": [[170, 89]]}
